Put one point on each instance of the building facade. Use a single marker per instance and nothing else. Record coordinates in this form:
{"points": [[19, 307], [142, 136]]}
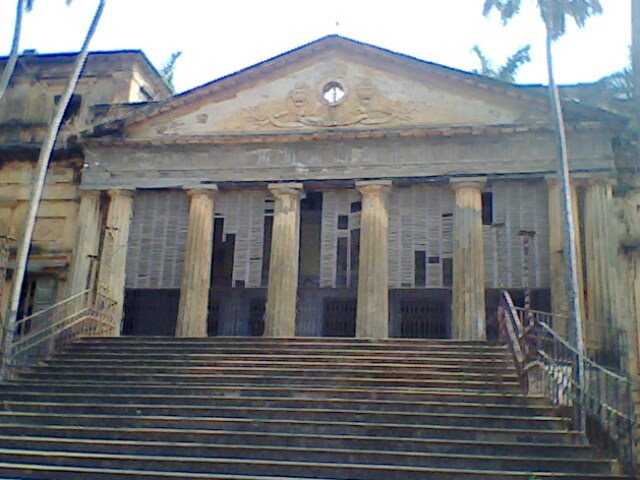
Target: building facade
{"points": [[338, 189]]}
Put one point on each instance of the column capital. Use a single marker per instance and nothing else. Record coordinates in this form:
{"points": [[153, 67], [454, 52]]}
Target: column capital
{"points": [[209, 189], [599, 180], [373, 186], [289, 188], [90, 193], [121, 192], [476, 183]]}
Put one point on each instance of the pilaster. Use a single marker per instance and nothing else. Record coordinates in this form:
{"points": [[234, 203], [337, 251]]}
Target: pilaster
{"points": [[372, 314], [284, 263], [468, 261], [559, 296], [87, 241], [196, 276], [5, 287], [113, 259], [600, 260]]}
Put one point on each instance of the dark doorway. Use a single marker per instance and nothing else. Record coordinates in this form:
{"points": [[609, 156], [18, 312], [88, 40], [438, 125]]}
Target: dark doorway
{"points": [[150, 312], [420, 313], [423, 318], [339, 317], [256, 317]]}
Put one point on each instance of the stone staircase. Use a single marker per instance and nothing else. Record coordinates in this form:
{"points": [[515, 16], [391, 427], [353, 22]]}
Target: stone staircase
{"points": [[255, 408]]}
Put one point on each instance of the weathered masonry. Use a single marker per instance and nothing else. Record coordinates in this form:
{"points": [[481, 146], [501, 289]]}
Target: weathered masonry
{"points": [[336, 190]]}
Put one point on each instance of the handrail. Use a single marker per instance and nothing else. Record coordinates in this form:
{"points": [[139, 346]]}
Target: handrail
{"points": [[83, 314], [511, 334], [601, 396], [52, 307]]}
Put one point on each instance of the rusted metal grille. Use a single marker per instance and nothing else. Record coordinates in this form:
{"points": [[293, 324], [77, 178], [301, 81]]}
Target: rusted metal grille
{"points": [[339, 317], [423, 318], [256, 317]]}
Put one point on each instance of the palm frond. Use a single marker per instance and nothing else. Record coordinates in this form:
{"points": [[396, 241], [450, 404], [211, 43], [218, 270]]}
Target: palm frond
{"points": [[506, 8], [485, 64], [168, 69], [555, 12], [509, 70]]}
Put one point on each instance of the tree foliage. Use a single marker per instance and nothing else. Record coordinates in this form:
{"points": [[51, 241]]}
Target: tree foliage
{"points": [[554, 13], [619, 85], [506, 72], [168, 69]]}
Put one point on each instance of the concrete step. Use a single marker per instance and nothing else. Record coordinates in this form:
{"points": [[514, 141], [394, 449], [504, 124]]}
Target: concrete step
{"points": [[310, 352], [256, 379], [334, 470], [313, 342], [451, 360], [314, 392], [266, 409], [313, 414], [106, 440], [7, 400], [23, 471], [372, 439], [205, 459], [440, 426], [301, 362], [296, 370]]}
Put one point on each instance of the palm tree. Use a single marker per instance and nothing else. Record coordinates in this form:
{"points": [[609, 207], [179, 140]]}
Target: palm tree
{"points": [[7, 73], [34, 201], [554, 14], [506, 72], [169, 68], [635, 54]]}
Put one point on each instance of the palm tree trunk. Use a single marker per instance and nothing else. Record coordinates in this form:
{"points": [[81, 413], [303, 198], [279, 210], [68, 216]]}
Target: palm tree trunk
{"points": [[569, 233], [635, 55], [43, 162], [7, 73]]}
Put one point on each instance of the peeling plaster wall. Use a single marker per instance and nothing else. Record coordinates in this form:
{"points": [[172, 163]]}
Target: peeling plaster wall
{"points": [[56, 224]]}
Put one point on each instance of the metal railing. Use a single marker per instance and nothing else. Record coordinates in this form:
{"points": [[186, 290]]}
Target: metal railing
{"points": [[601, 400], [37, 336]]}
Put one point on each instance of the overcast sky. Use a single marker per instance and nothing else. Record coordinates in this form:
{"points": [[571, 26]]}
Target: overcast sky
{"points": [[220, 37]]}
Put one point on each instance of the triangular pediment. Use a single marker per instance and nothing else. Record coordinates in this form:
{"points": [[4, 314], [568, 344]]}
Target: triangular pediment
{"points": [[336, 83]]}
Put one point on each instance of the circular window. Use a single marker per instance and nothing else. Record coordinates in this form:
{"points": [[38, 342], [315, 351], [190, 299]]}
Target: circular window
{"points": [[333, 93]]}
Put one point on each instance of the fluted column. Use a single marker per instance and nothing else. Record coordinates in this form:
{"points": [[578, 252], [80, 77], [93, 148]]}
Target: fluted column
{"points": [[87, 241], [372, 314], [468, 261], [196, 274], [4, 263], [600, 260], [113, 259], [559, 297], [283, 267]]}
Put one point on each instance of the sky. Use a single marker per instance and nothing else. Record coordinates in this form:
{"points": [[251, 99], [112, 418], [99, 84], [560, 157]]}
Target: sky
{"points": [[219, 37]]}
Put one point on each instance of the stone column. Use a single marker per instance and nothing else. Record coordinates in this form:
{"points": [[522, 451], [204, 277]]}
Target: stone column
{"points": [[196, 276], [627, 223], [113, 259], [283, 266], [468, 261], [4, 263], [87, 241], [372, 314], [559, 302], [600, 260]]}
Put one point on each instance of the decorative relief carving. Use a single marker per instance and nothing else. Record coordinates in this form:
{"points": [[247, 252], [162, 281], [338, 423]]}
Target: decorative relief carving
{"points": [[364, 105]]}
